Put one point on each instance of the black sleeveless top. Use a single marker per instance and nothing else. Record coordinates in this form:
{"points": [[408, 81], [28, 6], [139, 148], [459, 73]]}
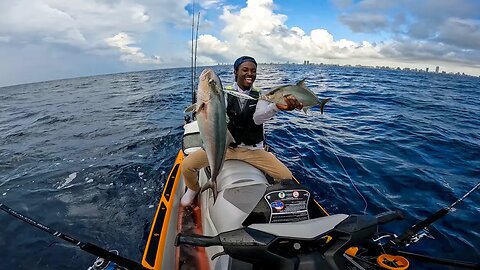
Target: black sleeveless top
{"points": [[241, 124]]}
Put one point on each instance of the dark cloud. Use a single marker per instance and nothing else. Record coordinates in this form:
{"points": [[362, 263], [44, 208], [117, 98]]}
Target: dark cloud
{"points": [[364, 22], [461, 33], [428, 30], [418, 51]]}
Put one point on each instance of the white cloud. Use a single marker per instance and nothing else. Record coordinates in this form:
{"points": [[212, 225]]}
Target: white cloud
{"points": [[121, 35], [258, 31], [85, 24], [123, 42], [5, 39], [208, 4], [82, 32]]}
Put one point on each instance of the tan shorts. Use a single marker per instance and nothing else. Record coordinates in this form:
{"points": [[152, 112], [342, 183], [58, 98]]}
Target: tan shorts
{"points": [[261, 159]]}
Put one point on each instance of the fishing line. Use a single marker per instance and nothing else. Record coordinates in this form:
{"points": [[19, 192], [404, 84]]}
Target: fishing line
{"points": [[341, 164]]}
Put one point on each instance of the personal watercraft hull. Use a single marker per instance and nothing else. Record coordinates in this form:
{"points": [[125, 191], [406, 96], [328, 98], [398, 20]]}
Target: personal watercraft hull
{"points": [[240, 188]]}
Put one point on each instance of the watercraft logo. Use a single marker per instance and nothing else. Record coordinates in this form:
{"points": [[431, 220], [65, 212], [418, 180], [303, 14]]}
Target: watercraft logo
{"points": [[278, 205]]}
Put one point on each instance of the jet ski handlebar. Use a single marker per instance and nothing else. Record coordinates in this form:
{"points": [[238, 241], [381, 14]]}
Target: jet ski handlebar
{"points": [[328, 236], [237, 237], [197, 240]]}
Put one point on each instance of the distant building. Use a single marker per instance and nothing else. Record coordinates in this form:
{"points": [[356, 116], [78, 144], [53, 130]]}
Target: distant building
{"points": [[426, 70], [437, 69]]}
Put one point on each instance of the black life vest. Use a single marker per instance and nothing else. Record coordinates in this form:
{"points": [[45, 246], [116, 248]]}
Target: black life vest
{"points": [[241, 124]]}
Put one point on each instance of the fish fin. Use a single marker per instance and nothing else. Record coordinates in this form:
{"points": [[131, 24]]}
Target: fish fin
{"points": [[237, 94], [215, 192], [201, 107], [207, 186], [302, 83], [210, 185], [230, 138], [322, 104], [190, 108]]}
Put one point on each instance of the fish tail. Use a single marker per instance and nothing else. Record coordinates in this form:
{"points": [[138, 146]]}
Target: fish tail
{"points": [[322, 104], [206, 186], [215, 191], [211, 184]]}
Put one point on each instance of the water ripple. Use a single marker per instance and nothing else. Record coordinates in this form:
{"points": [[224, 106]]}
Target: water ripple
{"points": [[89, 156]]}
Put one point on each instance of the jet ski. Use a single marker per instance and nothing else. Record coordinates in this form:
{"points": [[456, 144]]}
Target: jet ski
{"points": [[256, 223]]}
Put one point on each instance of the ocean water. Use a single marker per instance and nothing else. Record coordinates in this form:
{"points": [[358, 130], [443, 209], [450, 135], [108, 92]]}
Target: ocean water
{"points": [[89, 156]]}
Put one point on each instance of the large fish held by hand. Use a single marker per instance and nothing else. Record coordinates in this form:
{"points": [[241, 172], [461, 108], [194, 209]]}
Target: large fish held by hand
{"points": [[212, 122], [304, 95]]}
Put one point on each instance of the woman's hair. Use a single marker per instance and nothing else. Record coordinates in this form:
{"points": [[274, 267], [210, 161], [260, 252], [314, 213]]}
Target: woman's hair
{"points": [[243, 59]]}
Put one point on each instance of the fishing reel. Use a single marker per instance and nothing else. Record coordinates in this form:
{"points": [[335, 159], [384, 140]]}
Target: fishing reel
{"points": [[418, 236], [102, 264]]}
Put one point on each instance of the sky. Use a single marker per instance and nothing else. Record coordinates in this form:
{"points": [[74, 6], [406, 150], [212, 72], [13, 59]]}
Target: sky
{"points": [[44, 40]]}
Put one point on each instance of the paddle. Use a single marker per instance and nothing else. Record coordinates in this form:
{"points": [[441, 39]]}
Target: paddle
{"points": [[88, 247]]}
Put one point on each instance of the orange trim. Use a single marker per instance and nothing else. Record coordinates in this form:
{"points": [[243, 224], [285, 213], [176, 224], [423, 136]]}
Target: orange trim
{"points": [[167, 202], [352, 251], [202, 258], [323, 209], [392, 262]]}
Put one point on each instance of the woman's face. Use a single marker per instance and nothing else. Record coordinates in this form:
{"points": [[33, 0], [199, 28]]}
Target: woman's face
{"points": [[246, 74]]}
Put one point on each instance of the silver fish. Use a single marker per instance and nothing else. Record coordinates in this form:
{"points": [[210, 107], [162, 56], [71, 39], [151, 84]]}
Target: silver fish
{"points": [[212, 122], [277, 95]]}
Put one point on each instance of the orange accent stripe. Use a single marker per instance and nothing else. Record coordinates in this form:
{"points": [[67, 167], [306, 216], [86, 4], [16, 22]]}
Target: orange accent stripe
{"points": [[168, 204]]}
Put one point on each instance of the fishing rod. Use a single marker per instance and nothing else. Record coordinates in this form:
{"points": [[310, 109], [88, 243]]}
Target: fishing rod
{"points": [[194, 50], [411, 235], [88, 247], [442, 261], [191, 64]]}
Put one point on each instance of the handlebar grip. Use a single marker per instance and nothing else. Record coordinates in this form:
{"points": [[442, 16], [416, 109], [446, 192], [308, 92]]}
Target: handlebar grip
{"points": [[386, 217], [197, 240]]}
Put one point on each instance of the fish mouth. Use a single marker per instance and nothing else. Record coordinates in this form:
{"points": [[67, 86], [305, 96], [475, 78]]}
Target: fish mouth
{"points": [[206, 75]]}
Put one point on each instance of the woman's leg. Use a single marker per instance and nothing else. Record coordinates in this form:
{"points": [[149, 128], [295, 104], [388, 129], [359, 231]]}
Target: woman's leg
{"points": [[263, 160], [191, 165]]}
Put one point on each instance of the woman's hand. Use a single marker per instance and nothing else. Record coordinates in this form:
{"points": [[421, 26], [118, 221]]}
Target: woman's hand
{"points": [[291, 104]]}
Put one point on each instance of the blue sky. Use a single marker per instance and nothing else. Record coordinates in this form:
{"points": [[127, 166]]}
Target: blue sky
{"points": [[53, 39]]}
